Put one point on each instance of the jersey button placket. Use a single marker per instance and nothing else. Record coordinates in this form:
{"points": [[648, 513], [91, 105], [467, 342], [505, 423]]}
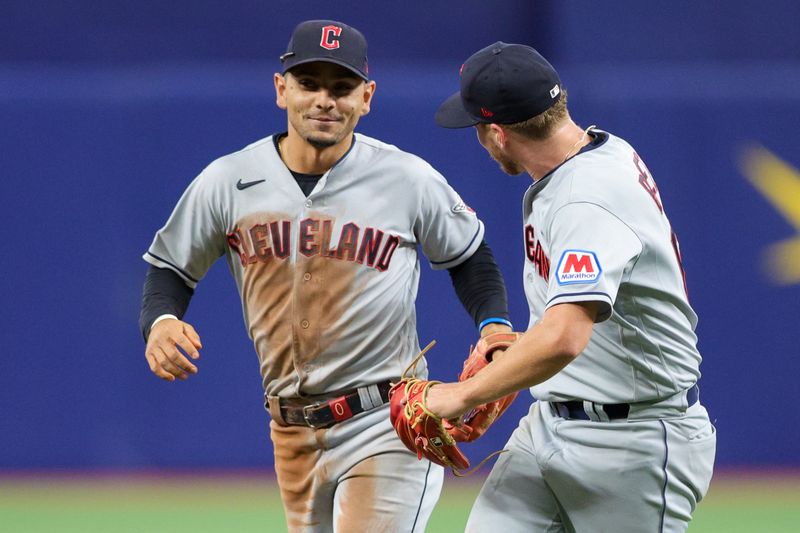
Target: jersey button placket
{"points": [[304, 324]]}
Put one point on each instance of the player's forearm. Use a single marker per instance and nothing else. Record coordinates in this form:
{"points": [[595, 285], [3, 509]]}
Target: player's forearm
{"points": [[164, 293], [532, 360], [540, 353], [480, 287]]}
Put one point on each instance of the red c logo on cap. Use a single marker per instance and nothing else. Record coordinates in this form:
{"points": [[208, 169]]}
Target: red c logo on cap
{"points": [[329, 37]]}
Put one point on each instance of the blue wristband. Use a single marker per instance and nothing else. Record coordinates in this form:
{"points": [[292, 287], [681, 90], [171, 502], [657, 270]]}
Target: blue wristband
{"points": [[495, 320]]}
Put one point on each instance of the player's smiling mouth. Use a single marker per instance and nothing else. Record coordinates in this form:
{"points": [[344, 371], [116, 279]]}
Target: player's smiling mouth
{"points": [[325, 119]]}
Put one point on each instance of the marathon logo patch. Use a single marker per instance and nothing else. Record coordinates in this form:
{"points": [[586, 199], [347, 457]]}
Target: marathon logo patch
{"points": [[578, 266]]}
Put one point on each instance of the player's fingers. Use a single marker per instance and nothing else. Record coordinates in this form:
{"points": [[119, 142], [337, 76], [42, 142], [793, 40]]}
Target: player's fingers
{"points": [[151, 362], [193, 336], [179, 359], [159, 349], [188, 346], [173, 369], [155, 367], [166, 362]]}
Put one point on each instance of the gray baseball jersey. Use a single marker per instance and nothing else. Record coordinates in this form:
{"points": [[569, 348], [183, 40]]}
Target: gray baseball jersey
{"points": [[327, 282], [596, 230]]}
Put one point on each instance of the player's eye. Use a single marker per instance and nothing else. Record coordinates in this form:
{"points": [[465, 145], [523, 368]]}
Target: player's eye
{"points": [[308, 84], [343, 89]]}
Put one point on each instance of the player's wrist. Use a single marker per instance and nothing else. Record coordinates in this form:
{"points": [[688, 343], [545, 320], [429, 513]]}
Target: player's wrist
{"points": [[467, 394], [447, 400], [161, 318], [495, 325]]}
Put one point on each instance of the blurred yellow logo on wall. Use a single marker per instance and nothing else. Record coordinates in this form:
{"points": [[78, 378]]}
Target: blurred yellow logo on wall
{"points": [[779, 182]]}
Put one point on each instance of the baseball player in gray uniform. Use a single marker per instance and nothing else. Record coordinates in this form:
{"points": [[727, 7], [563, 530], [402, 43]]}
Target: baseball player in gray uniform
{"points": [[618, 440], [320, 228]]}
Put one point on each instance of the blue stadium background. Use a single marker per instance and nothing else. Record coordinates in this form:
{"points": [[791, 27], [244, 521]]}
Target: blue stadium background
{"points": [[108, 110]]}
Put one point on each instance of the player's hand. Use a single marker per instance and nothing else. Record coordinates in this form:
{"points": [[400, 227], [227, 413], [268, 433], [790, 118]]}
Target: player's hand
{"points": [[169, 344], [444, 400], [490, 329]]}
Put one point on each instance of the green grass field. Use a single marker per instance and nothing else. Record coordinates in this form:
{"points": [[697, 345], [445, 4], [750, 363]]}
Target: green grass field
{"points": [[200, 504]]}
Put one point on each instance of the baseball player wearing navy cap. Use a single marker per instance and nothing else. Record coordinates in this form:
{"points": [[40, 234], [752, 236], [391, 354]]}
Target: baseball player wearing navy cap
{"points": [[618, 440], [320, 228]]}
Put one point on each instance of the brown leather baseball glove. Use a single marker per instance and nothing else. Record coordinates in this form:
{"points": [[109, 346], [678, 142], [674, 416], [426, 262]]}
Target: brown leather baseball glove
{"points": [[475, 423], [420, 430]]}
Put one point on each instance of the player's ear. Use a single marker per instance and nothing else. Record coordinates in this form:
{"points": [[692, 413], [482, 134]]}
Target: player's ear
{"points": [[369, 92], [280, 90], [500, 135]]}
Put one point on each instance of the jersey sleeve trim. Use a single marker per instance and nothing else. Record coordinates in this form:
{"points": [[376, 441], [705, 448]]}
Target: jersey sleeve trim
{"points": [[160, 262], [464, 254], [604, 311]]}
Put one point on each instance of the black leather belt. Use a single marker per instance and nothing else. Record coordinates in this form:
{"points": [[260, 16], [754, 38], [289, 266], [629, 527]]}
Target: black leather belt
{"points": [[613, 411], [327, 412]]}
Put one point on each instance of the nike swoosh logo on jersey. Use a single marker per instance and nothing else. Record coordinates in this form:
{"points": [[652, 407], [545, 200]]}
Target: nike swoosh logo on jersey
{"points": [[243, 185]]}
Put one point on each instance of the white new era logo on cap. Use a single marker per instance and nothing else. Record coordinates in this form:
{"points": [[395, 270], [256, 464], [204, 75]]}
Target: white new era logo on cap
{"points": [[554, 91]]}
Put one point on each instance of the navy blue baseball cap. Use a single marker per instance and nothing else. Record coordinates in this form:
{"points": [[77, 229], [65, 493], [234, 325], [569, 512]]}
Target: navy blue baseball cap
{"points": [[330, 41], [501, 84]]}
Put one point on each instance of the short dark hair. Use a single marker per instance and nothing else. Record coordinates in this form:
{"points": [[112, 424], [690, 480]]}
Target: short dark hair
{"points": [[541, 126]]}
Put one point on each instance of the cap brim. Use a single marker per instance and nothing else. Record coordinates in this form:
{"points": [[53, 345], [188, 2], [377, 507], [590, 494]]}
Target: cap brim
{"points": [[326, 60], [452, 114]]}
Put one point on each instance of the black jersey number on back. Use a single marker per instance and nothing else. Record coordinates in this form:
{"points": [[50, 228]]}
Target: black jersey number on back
{"points": [[648, 183]]}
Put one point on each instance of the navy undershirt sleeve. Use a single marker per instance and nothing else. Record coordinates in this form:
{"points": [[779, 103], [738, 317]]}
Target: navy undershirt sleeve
{"points": [[165, 293], [480, 286]]}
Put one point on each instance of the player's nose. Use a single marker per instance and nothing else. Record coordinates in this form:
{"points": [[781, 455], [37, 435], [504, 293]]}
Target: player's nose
{"points": [[325, 99]]}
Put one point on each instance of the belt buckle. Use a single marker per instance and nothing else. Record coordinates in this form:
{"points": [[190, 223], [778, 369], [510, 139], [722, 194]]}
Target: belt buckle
{"points": [[306, 415]]}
